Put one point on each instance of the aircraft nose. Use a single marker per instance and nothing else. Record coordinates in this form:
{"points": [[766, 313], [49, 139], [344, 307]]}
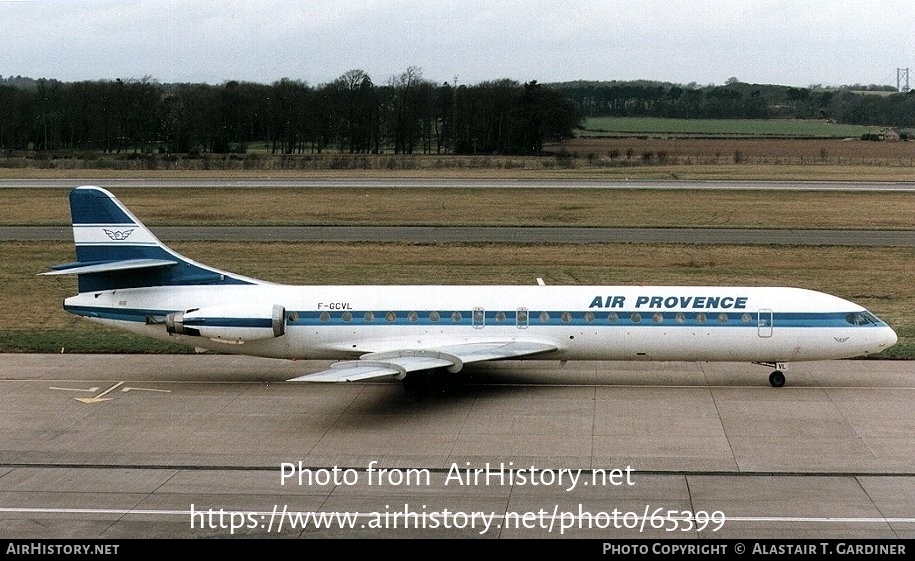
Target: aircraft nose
{"points": [[889, 337]]}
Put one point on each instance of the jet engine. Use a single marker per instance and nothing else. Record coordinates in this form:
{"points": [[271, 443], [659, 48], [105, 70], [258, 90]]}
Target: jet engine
{"points": [[229, 324]]}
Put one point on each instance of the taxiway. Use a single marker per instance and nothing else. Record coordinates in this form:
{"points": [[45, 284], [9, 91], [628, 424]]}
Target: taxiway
{"points": [[154, 439]]}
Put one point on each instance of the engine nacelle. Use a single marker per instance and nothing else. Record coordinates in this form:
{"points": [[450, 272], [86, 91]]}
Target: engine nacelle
{"points": [[230, 324]]}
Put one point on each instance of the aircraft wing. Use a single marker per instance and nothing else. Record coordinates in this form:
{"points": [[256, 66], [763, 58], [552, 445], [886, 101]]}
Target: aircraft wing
{"points": [[400, 362]]}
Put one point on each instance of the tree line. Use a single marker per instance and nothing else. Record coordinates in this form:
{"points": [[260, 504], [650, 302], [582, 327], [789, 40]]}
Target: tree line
{"points": [[406, 115], [351, 114], [738, 100]]}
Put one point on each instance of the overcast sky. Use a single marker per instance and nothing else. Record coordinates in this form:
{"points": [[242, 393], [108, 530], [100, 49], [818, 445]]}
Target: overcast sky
{"points": [[789, 42]]}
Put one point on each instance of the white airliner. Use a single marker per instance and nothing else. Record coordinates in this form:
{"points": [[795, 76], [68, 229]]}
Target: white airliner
{"points": [[129, 279]]}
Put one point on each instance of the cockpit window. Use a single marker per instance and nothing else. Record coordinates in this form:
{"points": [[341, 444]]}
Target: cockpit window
{"points": [[861, 318]]}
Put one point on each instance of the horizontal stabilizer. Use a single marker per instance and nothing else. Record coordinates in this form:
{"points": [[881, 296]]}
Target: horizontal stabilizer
{"points": [[400, 362], [108, 266]]}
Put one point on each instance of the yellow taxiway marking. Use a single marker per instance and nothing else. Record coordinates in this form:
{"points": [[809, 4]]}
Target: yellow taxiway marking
{"points": [[92, 389], [101, 397]]}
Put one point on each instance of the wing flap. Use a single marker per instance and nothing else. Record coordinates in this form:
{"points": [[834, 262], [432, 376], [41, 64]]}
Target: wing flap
{"points": [[351, 374], [398, 363], [497, 350], [366, 368]]}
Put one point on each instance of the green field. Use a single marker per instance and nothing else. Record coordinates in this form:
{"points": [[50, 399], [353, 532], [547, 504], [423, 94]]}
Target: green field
{"points": [[748, 128], [626, 208]]}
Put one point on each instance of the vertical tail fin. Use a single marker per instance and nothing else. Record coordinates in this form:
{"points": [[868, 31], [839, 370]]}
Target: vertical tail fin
{"points": [[115, 250]]}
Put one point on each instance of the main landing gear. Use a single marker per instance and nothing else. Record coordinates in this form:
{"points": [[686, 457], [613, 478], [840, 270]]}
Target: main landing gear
{"points": [[427, 382], [777, 378]]}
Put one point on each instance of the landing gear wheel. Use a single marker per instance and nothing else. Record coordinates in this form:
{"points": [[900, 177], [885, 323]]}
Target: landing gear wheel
{"points": [[414, 382], [777, 379]]}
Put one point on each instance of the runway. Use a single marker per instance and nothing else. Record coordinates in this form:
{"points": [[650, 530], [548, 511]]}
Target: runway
{"points": [[482, 234], [463, 183], [155, 443]]}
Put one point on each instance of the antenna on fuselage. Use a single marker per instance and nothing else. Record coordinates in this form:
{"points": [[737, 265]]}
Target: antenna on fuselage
{"points": [[540, 282]]}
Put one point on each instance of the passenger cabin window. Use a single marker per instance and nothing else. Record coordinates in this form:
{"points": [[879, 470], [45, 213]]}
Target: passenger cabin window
{"points": [[612, 317], [434, 316], [679, 317], [722, 318], [746, 319], [456, 317], [544, 317], [390, 316], [500, 317], [589, 317], [412, 316], [636, 317], [700, 317], [658, 317], [325, 316], [347, 316], [368, 317], [566, 317]]}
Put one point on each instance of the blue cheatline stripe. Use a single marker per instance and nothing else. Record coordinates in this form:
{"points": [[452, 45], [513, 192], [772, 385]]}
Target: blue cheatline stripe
{"points": [[402, 318], [228, 322], [119, 314]]}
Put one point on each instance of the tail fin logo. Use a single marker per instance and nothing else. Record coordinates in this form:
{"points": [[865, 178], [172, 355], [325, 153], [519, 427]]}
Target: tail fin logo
{"points": [[118, 235]]}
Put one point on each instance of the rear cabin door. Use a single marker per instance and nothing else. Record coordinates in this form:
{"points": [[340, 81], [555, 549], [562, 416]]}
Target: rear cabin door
{"points": [[479, 318], [764, 323]]}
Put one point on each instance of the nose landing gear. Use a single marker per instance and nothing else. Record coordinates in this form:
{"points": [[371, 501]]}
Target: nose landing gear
{"points": [[777, 378]]}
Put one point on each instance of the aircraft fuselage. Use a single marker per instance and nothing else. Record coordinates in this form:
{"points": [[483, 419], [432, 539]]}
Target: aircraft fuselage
{"points": [[582, 322]]}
